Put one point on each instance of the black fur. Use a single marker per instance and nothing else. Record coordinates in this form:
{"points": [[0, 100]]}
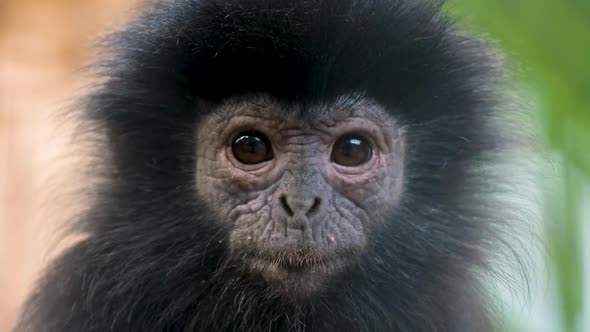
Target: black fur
{"points": [[155, 260]]}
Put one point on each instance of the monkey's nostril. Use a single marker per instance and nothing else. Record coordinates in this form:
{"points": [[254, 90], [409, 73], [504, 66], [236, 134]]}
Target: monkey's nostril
{"points": [[315, 206], [286, 206]]}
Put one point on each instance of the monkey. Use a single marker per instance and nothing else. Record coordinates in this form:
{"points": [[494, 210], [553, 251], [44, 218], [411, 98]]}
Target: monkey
{"points": [[281, 165]]}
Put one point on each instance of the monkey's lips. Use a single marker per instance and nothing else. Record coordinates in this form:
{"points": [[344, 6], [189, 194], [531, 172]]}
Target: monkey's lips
{"points": [[296, 274], [293, 266]]}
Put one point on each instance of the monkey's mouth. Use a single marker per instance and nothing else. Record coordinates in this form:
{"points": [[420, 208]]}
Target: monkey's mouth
{"points": [[297, 279], [298, 266], [297, 271], [301, 274]]}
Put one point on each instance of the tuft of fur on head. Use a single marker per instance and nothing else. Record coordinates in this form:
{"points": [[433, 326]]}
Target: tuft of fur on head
{"points": [[153, 260]]}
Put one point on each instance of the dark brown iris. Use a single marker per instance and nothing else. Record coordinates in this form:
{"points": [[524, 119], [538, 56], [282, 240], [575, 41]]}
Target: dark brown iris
{"points": [[351, 150], [252, 147]]}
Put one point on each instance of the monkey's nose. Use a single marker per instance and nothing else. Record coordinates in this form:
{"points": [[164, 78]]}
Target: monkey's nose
{"points": [[305, 206]]}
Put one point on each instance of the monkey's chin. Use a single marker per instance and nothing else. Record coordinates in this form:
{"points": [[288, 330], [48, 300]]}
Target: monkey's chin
{"points": [[297, 282]]}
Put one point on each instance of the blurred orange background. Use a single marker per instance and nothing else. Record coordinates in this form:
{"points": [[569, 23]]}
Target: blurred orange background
{"points": [[43, 47]]}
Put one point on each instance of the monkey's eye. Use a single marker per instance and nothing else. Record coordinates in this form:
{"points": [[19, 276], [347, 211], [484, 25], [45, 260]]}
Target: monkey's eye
{"points": [[252, 147], [351, 150]]}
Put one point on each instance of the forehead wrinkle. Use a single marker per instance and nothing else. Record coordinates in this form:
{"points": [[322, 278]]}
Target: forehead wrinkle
{"points": [[304, 114], [348, 107]]}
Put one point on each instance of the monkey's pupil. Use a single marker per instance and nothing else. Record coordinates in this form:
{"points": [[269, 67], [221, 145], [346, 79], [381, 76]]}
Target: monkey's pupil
{"points": [[351, 150], [252, 148]]}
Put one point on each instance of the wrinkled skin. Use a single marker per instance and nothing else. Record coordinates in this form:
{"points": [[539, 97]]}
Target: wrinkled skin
{"points": [[300, 217]]}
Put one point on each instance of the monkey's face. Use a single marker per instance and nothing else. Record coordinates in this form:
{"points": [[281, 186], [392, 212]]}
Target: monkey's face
{"points": [[301, 189]]}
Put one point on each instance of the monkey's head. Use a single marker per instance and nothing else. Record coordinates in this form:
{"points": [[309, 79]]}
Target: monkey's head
{"points": [[290, 147]]}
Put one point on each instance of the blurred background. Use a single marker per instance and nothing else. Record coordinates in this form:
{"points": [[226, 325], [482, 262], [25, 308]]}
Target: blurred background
{"points": [[45, 44]]}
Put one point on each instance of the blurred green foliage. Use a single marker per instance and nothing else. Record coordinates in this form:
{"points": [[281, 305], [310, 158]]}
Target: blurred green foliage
{"points": [[551, 39]]}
